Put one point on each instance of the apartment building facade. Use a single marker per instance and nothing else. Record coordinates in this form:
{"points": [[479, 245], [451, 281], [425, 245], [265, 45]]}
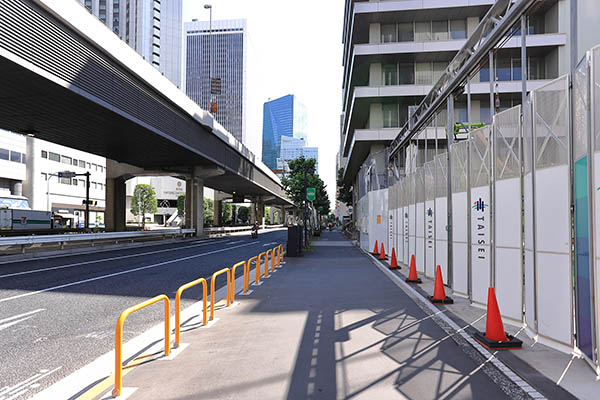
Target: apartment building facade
{"points": [[394, 51]]}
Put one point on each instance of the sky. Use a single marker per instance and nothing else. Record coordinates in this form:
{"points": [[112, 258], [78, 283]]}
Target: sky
{"points": [[295, 47]]}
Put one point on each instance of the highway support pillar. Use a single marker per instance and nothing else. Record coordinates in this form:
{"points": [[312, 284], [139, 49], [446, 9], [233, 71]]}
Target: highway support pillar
{"points": [[194, 203], [114, 214], [260, 211]]}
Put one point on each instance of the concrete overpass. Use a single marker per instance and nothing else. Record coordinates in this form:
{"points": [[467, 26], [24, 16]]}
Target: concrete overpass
{"points": [[68, 79]]}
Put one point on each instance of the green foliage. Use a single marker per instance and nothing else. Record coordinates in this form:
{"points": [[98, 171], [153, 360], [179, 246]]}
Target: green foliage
{"points": [[267, 215], [181, 205], [294, 183], [209, 214], [344, 190], [244, 214], [226, 213], [143, 201]]}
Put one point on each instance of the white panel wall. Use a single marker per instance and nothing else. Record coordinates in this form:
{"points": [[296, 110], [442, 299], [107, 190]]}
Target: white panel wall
{"points": [[480, 244], [459, 247], [441, 236], [430, 213]]}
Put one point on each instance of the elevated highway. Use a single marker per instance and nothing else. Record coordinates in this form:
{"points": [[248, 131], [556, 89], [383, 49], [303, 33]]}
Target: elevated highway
{"points": [[68, 79]]}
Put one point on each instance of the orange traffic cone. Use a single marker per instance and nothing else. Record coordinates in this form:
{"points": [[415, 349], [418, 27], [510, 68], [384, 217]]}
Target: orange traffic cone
{"points": [[495, 337], [375, 249], [439, 294], [382, 254], [394, 263], [412, 275]]}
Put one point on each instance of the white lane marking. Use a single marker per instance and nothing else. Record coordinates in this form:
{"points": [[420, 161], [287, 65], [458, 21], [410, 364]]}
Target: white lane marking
{"points": [[237, 241], [3, 327], [268, 244], [101, 260], [23, 386], [21, 315], [119, 273]]}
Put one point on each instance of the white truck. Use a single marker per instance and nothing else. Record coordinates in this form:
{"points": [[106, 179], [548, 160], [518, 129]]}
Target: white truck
{"points": [[15, 214]]}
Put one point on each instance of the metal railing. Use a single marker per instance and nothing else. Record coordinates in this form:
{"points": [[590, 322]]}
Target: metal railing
{"points": [[257, 275], [230, 289], [119, 337], [178, 305], [212, 290]]}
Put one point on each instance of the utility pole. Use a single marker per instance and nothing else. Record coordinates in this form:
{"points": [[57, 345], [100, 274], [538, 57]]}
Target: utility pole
{"points": [[87, 199]]}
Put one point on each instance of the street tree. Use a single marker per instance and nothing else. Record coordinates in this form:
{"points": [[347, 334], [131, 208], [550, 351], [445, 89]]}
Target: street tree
{"points": [[244, 214], [143, 201], [344, 189], [294, 185]]}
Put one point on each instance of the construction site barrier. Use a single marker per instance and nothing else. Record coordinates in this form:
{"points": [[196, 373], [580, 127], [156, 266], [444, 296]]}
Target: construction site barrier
{"points": [[212, 290], [178, 305], [246, 275], [119, 337]]}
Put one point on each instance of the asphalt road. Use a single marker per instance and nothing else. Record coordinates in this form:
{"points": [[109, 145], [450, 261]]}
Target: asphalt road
{"points": [[59, 314]]}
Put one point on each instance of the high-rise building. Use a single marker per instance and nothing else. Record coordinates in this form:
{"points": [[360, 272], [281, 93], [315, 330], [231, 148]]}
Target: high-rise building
{"points": [[221, 50], [153, 28], [284, 116], [292, 149]]}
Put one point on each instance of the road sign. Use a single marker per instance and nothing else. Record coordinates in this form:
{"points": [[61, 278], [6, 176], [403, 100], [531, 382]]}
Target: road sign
{"points": [[311, 194], [67, 174], [215, 86]]}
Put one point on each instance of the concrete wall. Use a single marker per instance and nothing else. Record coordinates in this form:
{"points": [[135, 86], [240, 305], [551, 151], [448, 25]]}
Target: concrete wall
{"points": [[374, 33]]}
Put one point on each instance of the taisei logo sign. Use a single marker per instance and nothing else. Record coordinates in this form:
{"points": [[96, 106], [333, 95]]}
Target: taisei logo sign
{"points": [[481, 225]]}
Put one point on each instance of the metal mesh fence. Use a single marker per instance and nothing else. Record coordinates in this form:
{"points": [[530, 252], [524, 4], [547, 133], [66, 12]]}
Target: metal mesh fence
{"points": [[506, 128], [420, 185], [480, 157], [373, 174], [441, 175], [429, 180], [459, 166], [527, 138], [551, 123], [580, 109]]}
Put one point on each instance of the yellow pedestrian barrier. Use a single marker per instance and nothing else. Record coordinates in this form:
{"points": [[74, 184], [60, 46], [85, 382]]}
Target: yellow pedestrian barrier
{"points": [[246, 273], [178, 305], [267, 262], [212, 290], [257, 275], [280, 254], [119, 338], [273, 261]]}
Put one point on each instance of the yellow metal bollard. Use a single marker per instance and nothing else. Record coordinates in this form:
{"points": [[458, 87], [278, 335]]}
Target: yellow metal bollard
{"points": [[280, 254], [212, 290], [246, 272], [119, 338], [267, 262], [273, 258], [257, 277], [178, 305]]}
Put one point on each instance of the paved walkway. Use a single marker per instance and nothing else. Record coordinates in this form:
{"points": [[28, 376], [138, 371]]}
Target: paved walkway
{"points": [[324, 326]]}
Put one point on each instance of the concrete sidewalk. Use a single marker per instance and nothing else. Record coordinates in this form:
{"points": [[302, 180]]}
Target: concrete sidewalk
{"points": [[328, 325]]}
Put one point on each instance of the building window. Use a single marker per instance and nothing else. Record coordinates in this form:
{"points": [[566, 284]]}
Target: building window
{"points": [[388, 33], [406, 32], [423, 31], [74, 182], [458, 29], [407, 74], [390, 74], [65, 181], [66, 160], [82, 163], [4, 154], [44, 154], [23, 158], [390, 115], [503, 69], [440, 30], [438, 70], [423, 75], [54, 157], [15, 156]]}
